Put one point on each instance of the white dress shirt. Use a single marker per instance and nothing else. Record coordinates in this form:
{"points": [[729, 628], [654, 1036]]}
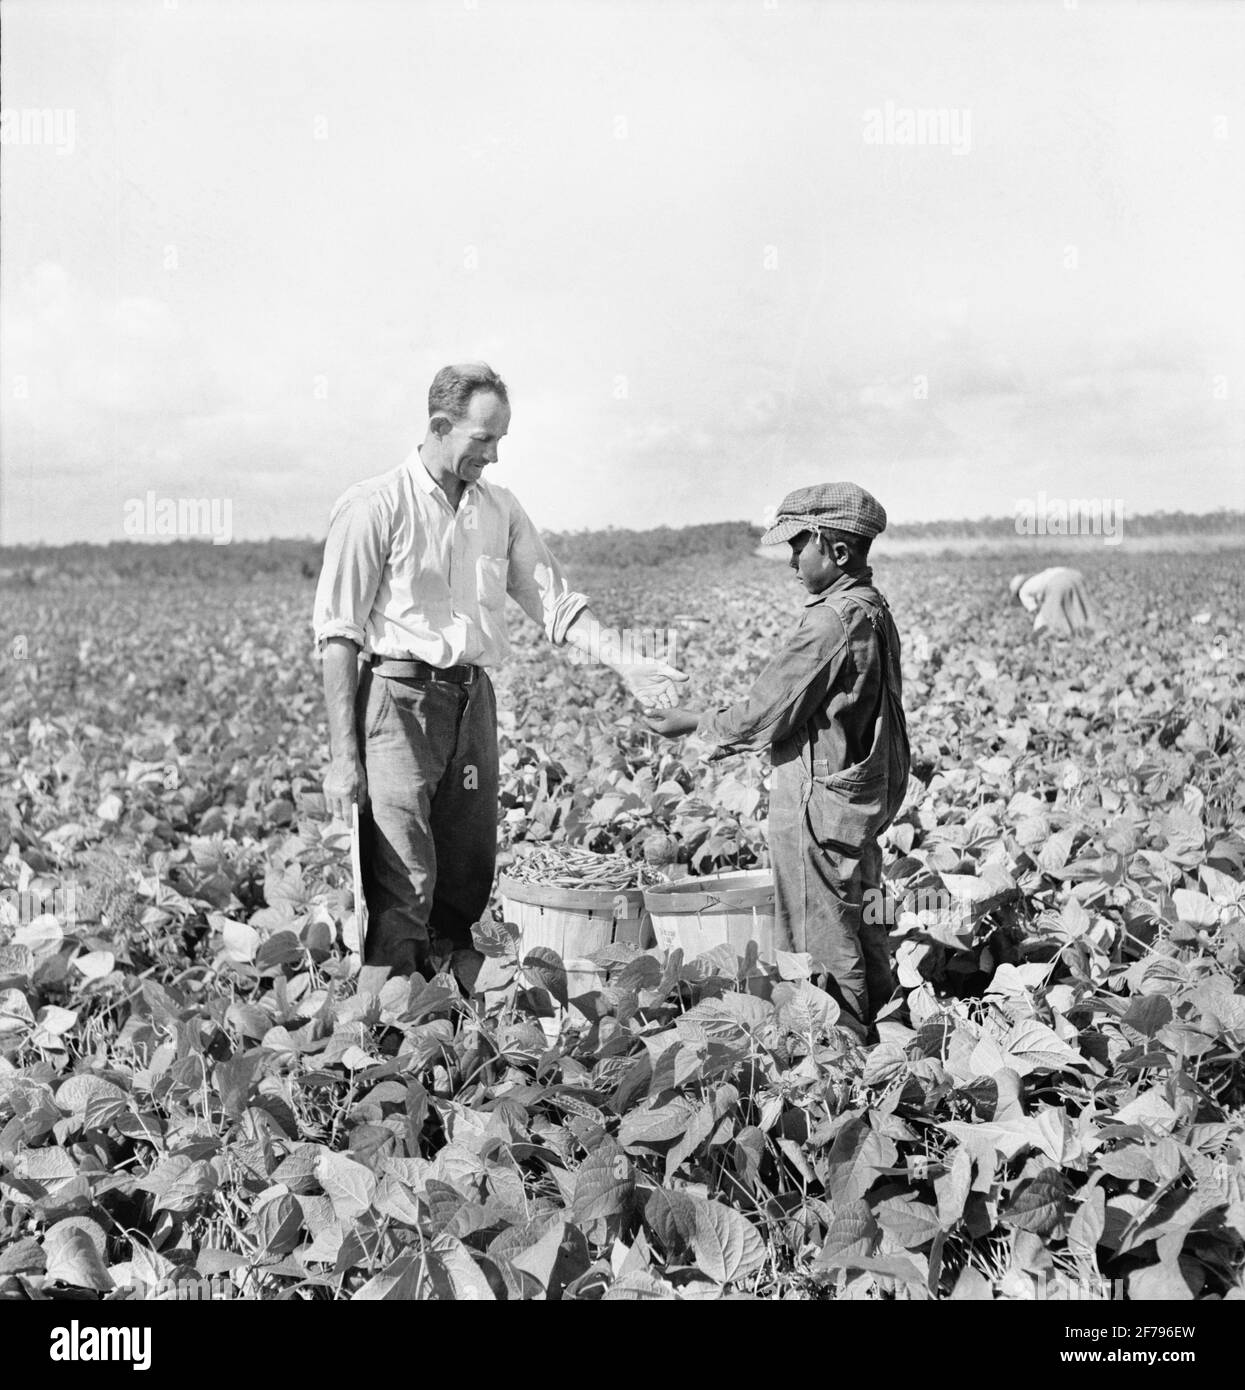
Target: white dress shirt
{"points": [[406, 575], [1033, 590]]}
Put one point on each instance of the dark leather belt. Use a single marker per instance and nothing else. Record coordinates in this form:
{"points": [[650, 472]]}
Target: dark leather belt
{"points": [[406, 668]]}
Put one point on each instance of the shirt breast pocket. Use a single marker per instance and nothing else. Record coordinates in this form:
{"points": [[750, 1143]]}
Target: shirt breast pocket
{"points": [[492, 572]]}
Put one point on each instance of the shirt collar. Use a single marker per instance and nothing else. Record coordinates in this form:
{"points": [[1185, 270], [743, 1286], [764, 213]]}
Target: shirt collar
{"points": [[425, 480], [862, 578]]}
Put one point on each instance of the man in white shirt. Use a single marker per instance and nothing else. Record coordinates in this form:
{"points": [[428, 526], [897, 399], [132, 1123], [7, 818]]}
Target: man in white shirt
{"points": [[1060, 598], [417, 567]]}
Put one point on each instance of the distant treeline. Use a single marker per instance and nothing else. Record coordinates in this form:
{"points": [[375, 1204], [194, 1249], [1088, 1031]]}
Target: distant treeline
{"points": [[129, 562], [625, 549], [1216, 523], [199, 561]]}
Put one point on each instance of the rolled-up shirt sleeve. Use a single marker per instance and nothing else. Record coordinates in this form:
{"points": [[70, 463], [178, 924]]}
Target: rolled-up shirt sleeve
{"points": [[355, 554], [535, 580], [787, 691]]}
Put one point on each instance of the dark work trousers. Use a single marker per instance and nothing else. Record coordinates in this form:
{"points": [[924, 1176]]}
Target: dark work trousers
{"points": [[429, 833], [823, 829]]}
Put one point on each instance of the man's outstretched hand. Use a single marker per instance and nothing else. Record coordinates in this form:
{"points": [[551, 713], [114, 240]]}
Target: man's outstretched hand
{"points": [[673, 723], [654, 684]]}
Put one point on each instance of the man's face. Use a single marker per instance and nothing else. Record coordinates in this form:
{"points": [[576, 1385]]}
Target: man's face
{"points": [[814, 569], [472, 442]]}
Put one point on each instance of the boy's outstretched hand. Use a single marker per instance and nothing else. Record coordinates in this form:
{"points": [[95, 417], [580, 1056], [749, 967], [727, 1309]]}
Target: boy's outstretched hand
{"points": [[672, 723], [652, 682]]}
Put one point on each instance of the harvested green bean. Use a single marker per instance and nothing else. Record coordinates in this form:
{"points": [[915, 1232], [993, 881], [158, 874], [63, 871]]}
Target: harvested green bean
{"points": [[567, 866]]}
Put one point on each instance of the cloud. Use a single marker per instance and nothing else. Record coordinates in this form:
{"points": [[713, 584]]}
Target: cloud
{"points": [[86, 362]]}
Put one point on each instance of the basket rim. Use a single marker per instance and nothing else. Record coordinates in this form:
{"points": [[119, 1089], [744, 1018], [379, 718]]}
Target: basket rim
{"points": [[587, 899], [688, 896]]}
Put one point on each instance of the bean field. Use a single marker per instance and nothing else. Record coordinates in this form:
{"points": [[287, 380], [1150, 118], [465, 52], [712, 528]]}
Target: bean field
{"points": [[198, 1081]]}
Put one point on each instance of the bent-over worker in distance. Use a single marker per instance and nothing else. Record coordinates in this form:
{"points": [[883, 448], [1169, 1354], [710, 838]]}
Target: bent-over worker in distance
{"points": [[1060, 598], [829, 708], [417, 567]]}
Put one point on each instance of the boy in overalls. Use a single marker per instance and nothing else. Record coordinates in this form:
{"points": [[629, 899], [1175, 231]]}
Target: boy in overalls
{"points": [[829, 707]]}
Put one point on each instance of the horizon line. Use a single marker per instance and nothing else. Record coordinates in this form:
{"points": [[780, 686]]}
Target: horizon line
{"points": [[894, 528]]}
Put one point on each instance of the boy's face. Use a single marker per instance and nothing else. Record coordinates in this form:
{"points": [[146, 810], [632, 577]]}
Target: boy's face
{"points": [[818, 563]]}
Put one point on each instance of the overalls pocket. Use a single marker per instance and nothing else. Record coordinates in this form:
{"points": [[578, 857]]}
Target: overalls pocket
{"points": [[848, 809]]}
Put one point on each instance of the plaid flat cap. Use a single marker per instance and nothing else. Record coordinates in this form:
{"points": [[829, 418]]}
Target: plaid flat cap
{"points": [[835, 506]]}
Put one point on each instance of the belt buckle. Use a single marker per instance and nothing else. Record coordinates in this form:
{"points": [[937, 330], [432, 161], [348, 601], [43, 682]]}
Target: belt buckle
{"points": [[472, 675]]}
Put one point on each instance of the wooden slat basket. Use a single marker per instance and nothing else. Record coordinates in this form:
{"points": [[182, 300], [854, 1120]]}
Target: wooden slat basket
{"points": [[575, 922], [698, 914]]}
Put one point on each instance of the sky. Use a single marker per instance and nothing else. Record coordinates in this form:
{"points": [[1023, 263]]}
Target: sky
{"points": [[700, 241]]}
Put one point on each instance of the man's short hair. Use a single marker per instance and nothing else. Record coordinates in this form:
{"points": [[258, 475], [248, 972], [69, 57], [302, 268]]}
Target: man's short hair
{"points": [[453, 387]]}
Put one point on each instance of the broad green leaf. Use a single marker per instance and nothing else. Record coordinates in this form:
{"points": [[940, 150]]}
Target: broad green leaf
{"points": [[497, 973], [1150, 1109], [49, 1166], [643, 973], [1195, 908], [1086, 1228], [72, 1258], [1053, 1134], [148, 1267], [853, 1232], [240, 941], [1005, 1137], [234, 1080], [898, 1267], [545, 968], [908, 1223], [953, 1188], [699, 1127], [793, 965], [77, 1093], [656, 1126], [43, 935], [884, 1064], [24, 1256], [732, 1015], [1038, 1204], [56, 1020], [399, 1282], [179, 1183], [604, 1183], [1031, 1046], [15, 1012], [1148, 1014], [94, 965], [1129, 1161], [298, 1169], [670, 1215], [727, 1246], [639, 1285], [325, 1245], [278, 1226], [854, 1161], [347, 1184], [539, 1259], [395, 1200], [469, 1282], [972, 1286], [1054, 853], [1159, 1283], [281, 948], [804, 1009]]}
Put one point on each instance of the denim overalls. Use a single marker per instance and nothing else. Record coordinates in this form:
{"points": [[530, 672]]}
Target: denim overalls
{"points": [[823, 827]]}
